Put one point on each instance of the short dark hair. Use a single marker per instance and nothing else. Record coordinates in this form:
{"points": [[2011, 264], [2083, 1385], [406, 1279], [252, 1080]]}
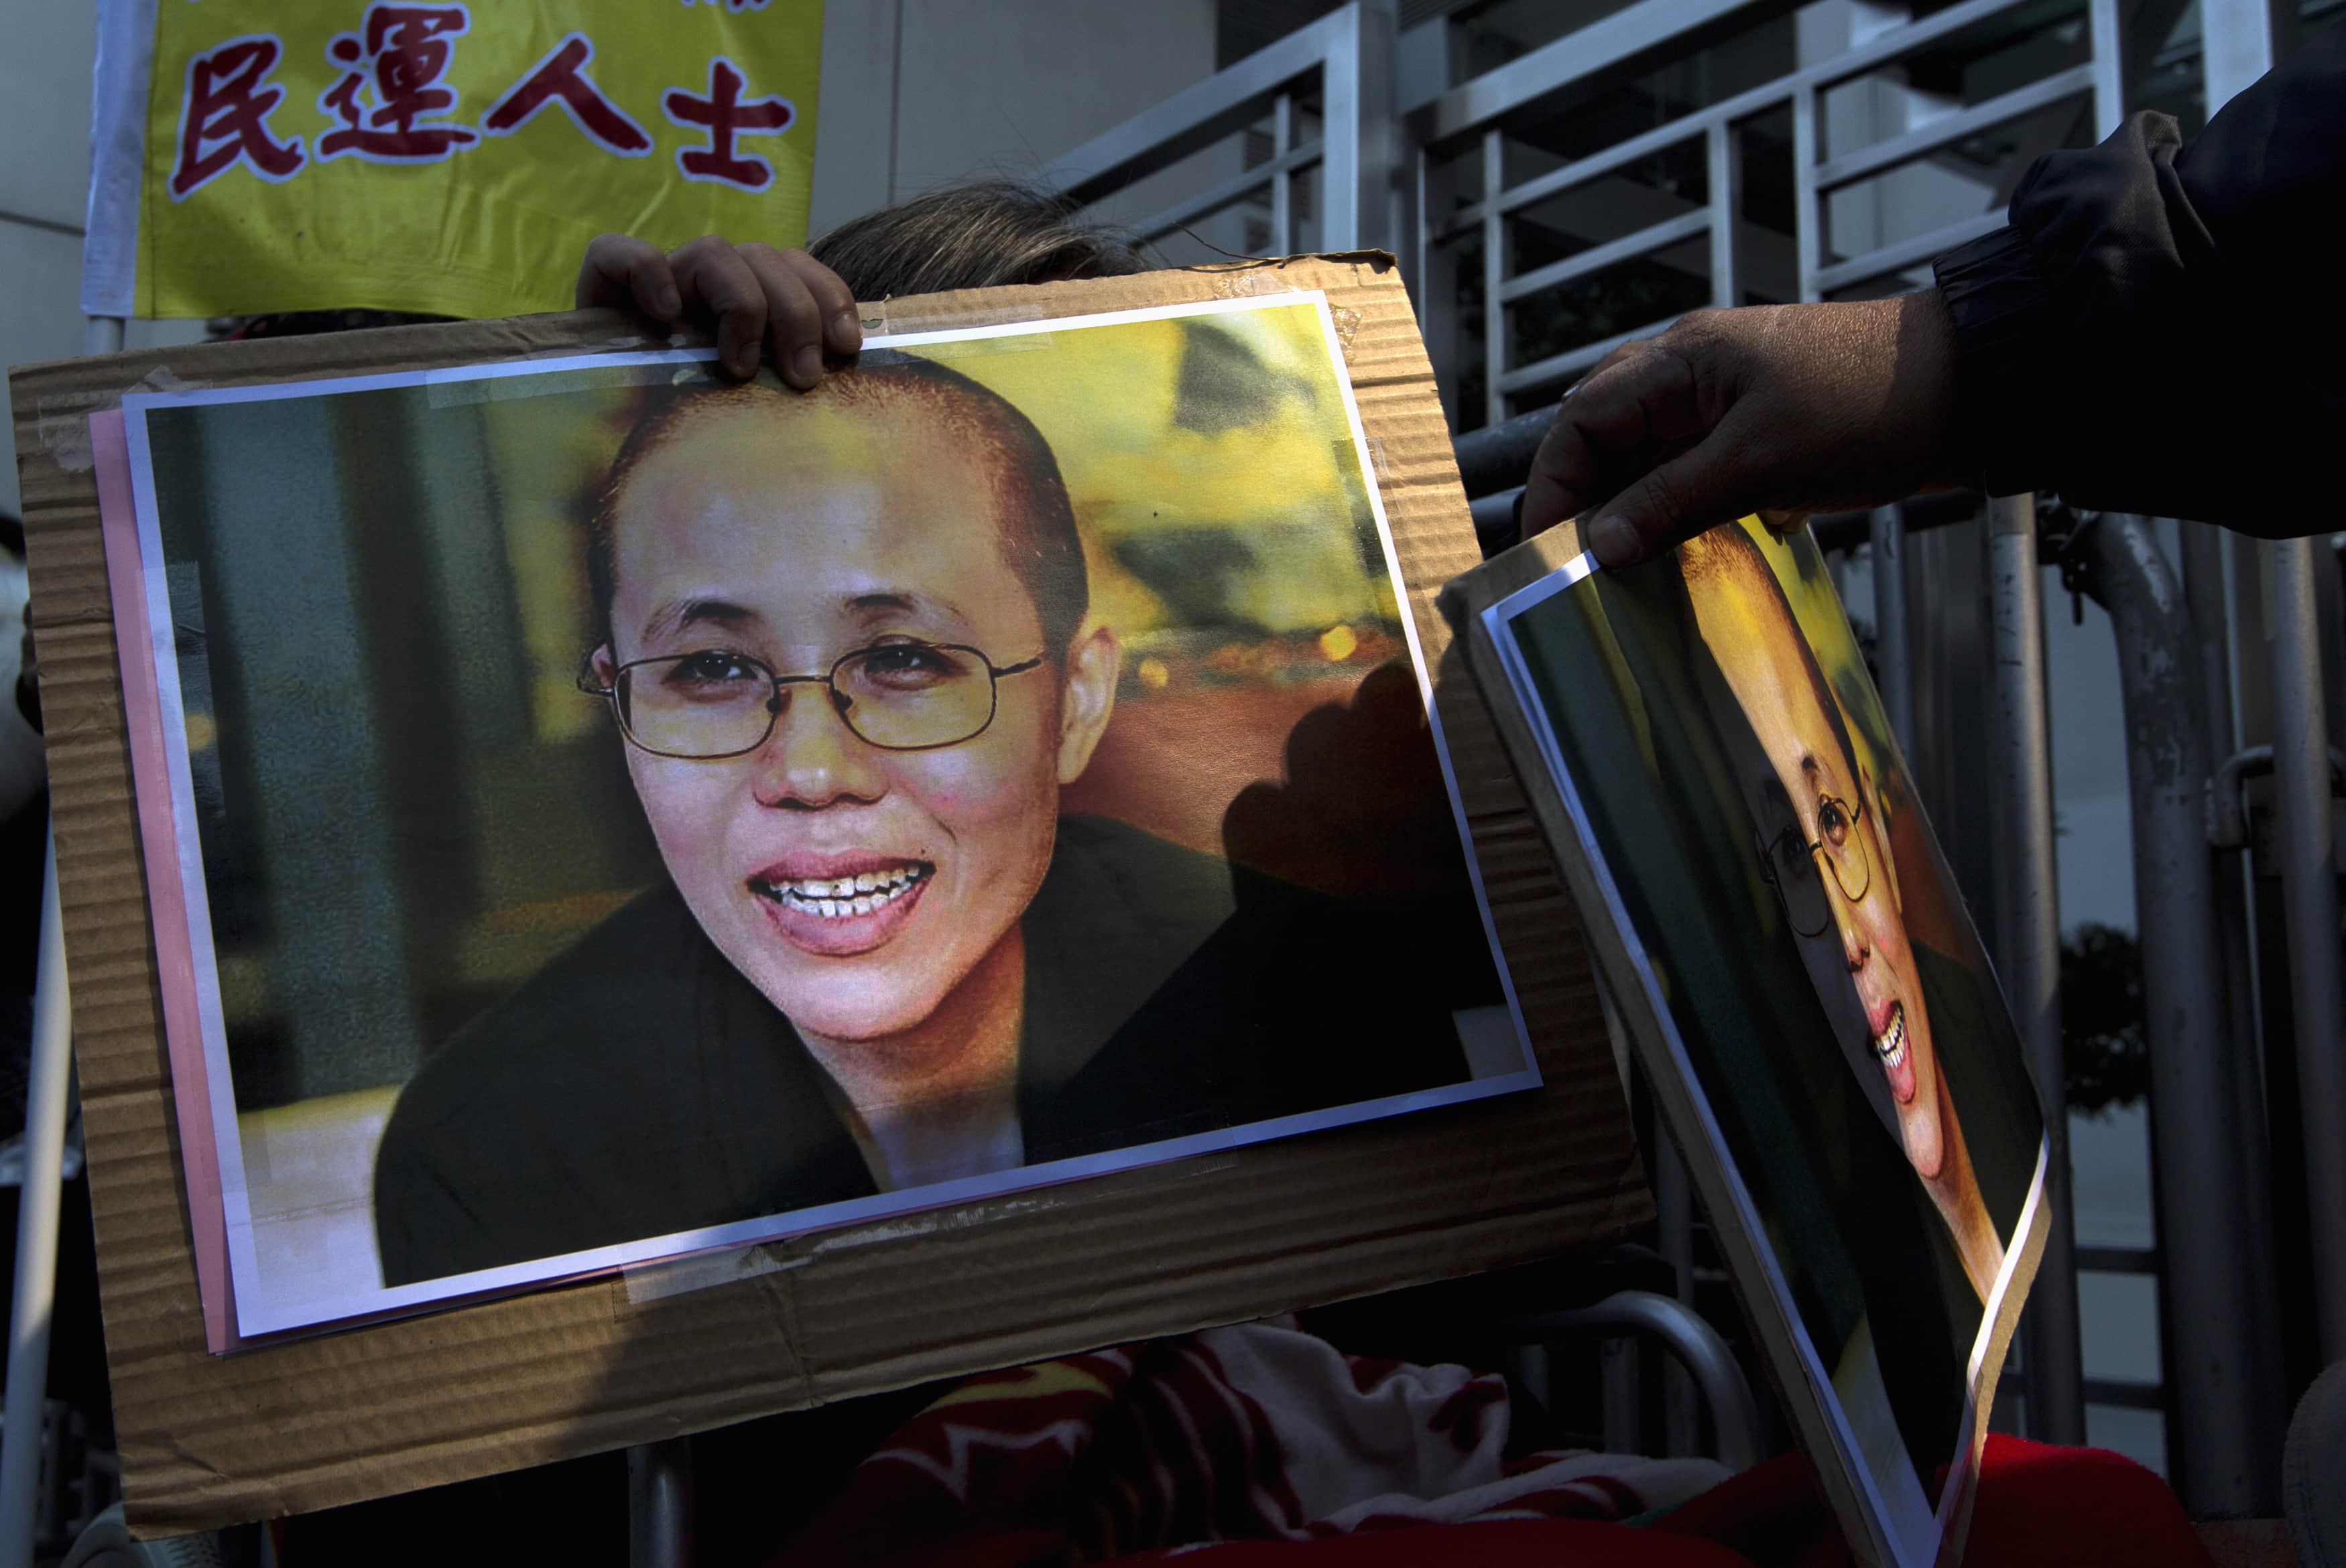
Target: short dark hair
{"points": [[979, 235], [1039, 540]]}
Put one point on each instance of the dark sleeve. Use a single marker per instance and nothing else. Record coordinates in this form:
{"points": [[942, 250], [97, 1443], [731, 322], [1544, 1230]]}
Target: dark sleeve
{"points": [[2153, 331], [424, 1228]]}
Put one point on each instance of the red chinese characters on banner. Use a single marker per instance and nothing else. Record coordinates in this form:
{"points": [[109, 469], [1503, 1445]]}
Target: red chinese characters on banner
{"points": [[224, 117], [725, 116], [388, 105], [400, 52], [561, 79]]}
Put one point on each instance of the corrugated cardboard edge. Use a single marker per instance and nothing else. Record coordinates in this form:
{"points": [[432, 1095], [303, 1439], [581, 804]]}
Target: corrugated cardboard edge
{"points": [[1462, 603], [581, 1369]]}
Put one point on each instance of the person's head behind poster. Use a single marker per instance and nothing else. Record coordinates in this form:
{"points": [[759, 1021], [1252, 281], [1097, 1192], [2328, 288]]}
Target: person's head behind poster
{"points": [[843, 632], [1818, 830]]}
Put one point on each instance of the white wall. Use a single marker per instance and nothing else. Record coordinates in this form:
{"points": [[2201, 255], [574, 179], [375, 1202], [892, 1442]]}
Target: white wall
{"points": [[45, 127], [44, 76], [44, 112], [917, 94]]}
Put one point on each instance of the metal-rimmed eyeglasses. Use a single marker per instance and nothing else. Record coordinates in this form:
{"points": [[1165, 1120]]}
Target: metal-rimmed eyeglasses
{"points": [[1789, 862], [903, 695]]}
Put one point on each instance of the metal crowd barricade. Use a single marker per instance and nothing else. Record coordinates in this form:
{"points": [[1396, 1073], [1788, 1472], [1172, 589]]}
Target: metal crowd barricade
{"points": [[1480, 111], [2212, 1178], [1342, 62]]}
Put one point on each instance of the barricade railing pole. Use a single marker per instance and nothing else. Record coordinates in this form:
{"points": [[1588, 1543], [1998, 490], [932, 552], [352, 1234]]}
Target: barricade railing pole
{"points": [[2028, 937], [1892, 657], [659, 1504], [2207, 598], [1674, 1226], [2309, 876], [2219, 1302]]}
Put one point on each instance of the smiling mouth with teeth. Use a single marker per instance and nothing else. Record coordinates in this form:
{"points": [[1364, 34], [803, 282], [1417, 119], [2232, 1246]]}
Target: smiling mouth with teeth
{"points": [[1891, 1044], [843, 898]]}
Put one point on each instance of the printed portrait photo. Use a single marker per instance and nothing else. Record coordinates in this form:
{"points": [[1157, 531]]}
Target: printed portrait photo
{"points": [[1718, 741], [625, 812]]}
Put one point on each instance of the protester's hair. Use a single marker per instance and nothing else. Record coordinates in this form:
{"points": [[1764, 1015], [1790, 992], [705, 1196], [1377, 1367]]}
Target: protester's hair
{"points": [[1038, 537], [1728, 553], [980, 235]]}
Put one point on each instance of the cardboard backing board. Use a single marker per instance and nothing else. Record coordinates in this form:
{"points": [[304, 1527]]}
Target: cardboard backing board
{"points": [[582, 1368], [1491, 591]]}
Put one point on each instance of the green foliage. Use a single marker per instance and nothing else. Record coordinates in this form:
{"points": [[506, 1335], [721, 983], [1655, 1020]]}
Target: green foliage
{"points": [[2102, 1039]]}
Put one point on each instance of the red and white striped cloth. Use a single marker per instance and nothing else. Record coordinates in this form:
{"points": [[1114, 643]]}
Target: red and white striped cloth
{"points": [[1254, 1432]]}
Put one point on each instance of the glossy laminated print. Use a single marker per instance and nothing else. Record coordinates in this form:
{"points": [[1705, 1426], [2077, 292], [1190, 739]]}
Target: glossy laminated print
{"points": [[622, 813], [1724, 763]]}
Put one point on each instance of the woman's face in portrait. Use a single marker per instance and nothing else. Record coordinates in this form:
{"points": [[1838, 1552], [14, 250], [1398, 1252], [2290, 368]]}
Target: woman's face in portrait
{"points": [[855, 886], [1803, 787]]}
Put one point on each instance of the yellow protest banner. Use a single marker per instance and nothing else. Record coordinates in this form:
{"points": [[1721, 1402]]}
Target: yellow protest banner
{"points": [[445, 159]]}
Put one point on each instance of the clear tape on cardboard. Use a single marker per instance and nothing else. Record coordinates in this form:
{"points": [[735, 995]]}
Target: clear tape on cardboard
{"points": [[706, 1270], [1248, 279], [885, 321], [702, 1271], [626, 343], [1347, 326], [61, 425], [1254, 279], [1245, 278], [457, 391], [977, 348]]}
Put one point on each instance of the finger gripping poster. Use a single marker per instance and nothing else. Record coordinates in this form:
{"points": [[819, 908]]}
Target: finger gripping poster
{"points": [[621, 814]]}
